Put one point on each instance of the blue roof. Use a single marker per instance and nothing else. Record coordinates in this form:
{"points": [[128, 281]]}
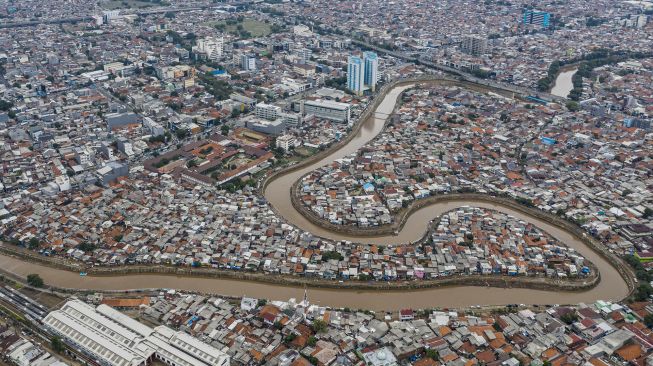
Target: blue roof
{"points": [[548, 141], [368, 186], [536, 99]]}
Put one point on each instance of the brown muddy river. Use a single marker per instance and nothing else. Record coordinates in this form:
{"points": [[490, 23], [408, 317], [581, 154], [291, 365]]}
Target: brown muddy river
{"points": [[564, 84], [611, 287]]}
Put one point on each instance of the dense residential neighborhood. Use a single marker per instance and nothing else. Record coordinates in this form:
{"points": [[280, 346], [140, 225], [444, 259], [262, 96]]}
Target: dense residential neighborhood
{"points": [[447, 183]]}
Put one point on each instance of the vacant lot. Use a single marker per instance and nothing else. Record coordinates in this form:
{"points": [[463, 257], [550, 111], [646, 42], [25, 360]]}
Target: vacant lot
{"points": [[305, 151], [128, 4], [248, 28]]}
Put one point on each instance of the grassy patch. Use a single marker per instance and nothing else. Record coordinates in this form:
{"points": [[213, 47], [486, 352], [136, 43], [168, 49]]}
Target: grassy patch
{"points": [[129, 4], [247, 28], [305, 151]]}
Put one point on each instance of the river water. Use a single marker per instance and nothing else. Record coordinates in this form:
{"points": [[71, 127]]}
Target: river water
{"points": [[611, 287], [563, 84]]}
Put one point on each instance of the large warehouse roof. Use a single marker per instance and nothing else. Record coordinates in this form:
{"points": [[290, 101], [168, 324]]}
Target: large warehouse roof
{"points": [[113, 338]]}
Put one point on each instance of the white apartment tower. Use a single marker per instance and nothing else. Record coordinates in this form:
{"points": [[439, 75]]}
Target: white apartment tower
{"points": [[304, 55], [248, 62], [362, 72], [355, 75], [212, 47], [474, 45], [371, 69], [267, 111]]}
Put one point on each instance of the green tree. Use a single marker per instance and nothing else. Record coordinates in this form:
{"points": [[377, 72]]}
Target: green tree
{"points": [[432, 354], [593, 22], [569, 317], [319, 326], [5, 106], [86, 247], [497, 327], [312, 341], [34, 243], [159, 138], [643, 292], [573, 106], [648, 212], [57, 344], [525, 201], [648, 320], [290, 337], [332, 255], [182, 133], [34, 280], [220, 89]]}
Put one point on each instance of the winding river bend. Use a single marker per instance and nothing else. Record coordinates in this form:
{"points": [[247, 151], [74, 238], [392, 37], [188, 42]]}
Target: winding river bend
{"points": [[611, 287]]}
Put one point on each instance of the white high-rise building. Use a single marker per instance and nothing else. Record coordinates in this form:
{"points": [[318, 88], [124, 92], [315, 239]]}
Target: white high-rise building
{"points": [[474, 45], [355, 75], [248, 62], [371, 69], [212, 47], [267, 111], [641, 21], [362, 72], [286, 142], [304, 55], [109, 16]]}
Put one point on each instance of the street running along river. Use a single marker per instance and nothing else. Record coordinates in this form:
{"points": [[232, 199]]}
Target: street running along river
{"points": [[611, 287]]}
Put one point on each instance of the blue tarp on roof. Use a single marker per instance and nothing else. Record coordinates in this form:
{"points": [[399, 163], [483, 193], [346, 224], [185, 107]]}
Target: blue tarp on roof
{"points": [[548, 141]]}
